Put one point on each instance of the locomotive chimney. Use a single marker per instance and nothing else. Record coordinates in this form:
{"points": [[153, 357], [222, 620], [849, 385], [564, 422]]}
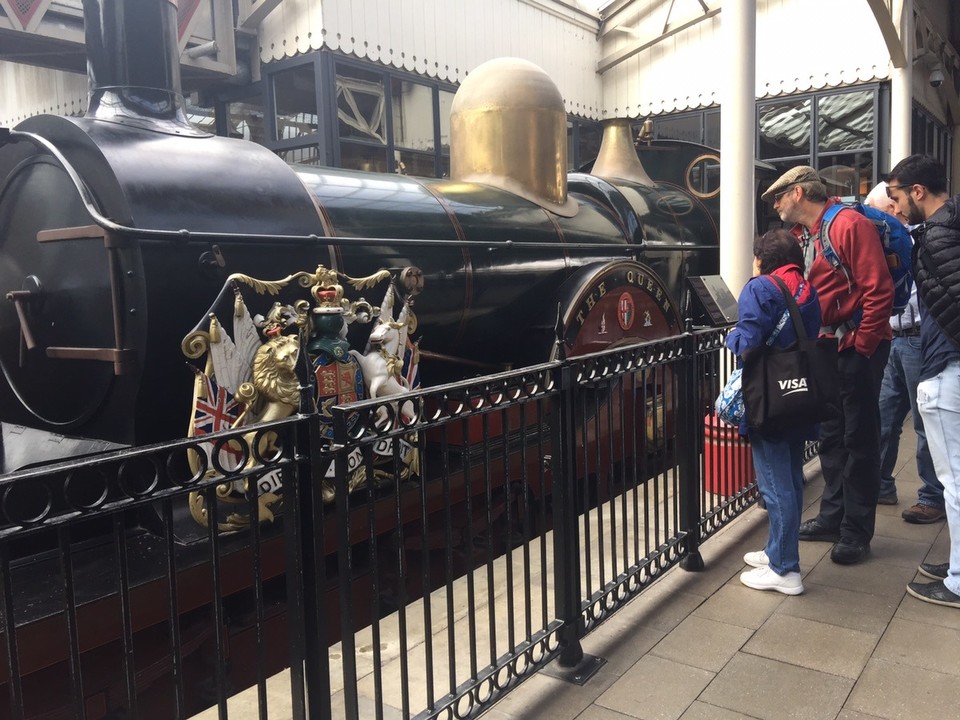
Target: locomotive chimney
{"points": [[133, 63], [508, 129], [618, 157]]}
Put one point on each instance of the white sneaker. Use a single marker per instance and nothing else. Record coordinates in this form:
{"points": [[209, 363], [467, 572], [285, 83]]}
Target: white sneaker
{"points": [[763, 578], [756, 559]]}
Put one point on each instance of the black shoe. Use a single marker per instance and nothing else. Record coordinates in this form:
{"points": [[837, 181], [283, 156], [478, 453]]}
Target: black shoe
{"points": [[849, 551], [935, 592], [934, 572], [888, 499], [816, 530]]}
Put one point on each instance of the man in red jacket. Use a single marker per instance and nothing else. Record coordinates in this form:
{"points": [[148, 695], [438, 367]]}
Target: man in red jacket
{"points": [[856, 300]]}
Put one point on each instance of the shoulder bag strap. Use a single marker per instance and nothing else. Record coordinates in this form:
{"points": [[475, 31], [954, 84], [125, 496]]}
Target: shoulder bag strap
{"points": [[798, 327]]}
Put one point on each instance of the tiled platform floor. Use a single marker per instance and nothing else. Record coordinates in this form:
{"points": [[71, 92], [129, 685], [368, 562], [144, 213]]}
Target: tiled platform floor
{"points": [[702, 646]]}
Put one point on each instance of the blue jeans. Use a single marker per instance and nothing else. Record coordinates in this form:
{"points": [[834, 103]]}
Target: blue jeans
{"points": [[898, 395], [778, 462], [939, 401]]}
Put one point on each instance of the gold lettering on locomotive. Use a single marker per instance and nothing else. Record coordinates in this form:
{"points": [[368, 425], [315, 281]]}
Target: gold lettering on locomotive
{"points": [[622, 302], [249, 375]]}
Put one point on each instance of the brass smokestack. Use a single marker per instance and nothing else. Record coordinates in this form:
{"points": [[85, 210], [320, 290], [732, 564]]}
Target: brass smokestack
{"points": [[508, 129], [618, 157]]}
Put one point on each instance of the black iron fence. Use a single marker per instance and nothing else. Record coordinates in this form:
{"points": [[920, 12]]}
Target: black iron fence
{"points": [[418, 555]]}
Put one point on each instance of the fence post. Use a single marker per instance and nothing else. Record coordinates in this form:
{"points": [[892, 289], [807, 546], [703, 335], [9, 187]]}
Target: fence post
{"points": [[574, 665], [305, 567], [689, 448]]}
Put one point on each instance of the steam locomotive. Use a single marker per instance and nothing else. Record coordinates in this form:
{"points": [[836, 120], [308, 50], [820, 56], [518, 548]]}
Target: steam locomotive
{"points": [[119, 227]]}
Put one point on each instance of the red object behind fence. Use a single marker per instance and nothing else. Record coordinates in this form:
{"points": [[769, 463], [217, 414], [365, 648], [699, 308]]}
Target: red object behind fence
{"points": [[727, 458]]}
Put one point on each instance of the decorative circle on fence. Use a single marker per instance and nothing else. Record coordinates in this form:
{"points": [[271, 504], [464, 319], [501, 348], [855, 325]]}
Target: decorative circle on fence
{"points": [[142, 470], [194, 452], [274, 443], [27, 503], [231, 446], [86, 489]]}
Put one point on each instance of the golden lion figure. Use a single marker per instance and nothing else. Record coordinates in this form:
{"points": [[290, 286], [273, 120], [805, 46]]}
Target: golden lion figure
{"points": [[274, 392]]}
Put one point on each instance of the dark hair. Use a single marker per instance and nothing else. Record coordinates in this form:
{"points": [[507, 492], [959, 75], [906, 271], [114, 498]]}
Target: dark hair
{"points": [[920, 170], [777, 248]]}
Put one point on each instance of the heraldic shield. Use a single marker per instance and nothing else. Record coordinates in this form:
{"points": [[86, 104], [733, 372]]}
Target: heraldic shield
{"points": [[252, 367]]}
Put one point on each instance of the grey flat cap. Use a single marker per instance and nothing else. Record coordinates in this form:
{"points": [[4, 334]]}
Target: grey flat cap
{"points": [[798, 174]]}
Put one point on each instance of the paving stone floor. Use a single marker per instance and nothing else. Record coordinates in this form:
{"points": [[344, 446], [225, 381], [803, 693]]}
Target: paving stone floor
{"points": [[698, 646]]}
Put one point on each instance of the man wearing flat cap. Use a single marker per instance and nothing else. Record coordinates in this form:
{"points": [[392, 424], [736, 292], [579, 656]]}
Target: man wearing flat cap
{"points": [[856, 300]]}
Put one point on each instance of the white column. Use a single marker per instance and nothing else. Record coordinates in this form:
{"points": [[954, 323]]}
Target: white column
{"points": [[738, 23], [901, 89]]}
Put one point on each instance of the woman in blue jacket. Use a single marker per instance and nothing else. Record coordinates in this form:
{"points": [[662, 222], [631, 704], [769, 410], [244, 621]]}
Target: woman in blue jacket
{"points": [[777, 457]]}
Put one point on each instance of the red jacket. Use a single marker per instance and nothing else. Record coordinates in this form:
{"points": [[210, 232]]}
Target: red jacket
{"points": [[869, 287]]}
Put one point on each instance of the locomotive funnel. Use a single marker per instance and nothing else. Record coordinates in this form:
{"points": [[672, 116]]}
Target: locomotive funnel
{"points": [[617, 157], [133, 63], [508, 129]]}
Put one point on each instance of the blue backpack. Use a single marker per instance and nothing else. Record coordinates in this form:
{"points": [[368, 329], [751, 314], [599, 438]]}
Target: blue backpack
{"points": [[897, 247]]}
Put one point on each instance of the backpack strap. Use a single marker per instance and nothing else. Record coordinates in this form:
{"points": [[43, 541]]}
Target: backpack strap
{"points": [[826, 246]]}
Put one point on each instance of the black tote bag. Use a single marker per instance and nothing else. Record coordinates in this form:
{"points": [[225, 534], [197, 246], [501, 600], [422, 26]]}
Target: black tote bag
{"points": [[793, 386]]}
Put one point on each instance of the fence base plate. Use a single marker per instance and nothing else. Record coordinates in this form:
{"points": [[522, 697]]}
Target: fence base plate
{"points": [[579, 673]]}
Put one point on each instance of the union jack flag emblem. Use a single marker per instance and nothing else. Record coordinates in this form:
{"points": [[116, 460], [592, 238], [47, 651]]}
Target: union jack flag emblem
{"points": [[219, 411]]}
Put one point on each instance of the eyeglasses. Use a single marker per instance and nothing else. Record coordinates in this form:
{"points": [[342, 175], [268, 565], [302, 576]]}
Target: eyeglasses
{"points": [[777, 196], [897, 187]]}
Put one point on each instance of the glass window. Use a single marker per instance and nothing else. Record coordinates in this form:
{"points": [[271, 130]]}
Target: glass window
{"points": [[845, 122], [306, 155], [583, 143], [446, 104], [679, 127], [932, 138], [590, 136], [785, 129], [407, 162], [412, 112], [703, 176], [245, 120], [356, 156], [202, 118], [361, 104], [711, 129], [295, 92], [847, 175]]}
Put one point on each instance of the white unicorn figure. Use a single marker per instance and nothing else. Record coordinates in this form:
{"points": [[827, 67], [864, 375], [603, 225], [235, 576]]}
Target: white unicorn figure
{"points": [[382, 362]]}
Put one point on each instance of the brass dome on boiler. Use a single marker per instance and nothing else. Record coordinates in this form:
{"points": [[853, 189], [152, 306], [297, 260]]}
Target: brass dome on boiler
{"points": [[508, 129]]}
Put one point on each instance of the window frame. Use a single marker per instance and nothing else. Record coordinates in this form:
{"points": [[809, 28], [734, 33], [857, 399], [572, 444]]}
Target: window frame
{"points": [[814, 156]]}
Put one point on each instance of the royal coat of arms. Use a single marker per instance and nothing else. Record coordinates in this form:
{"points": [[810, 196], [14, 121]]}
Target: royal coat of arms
{"points": [[246, 372]]}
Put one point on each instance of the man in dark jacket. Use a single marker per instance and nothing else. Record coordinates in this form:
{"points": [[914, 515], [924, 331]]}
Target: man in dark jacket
{"points": [[856, 300], [919, 188]]}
